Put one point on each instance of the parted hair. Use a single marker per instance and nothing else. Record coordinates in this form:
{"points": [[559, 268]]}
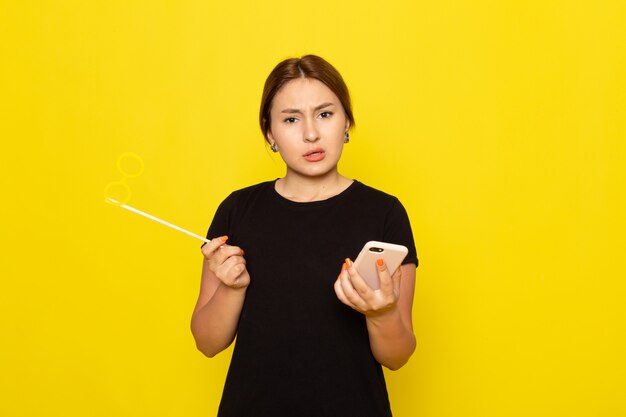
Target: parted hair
{"points": [[308, 66]]}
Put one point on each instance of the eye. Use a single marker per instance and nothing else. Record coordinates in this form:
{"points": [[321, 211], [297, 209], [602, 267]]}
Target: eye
{"points": [[290, 120], [326, 114]]}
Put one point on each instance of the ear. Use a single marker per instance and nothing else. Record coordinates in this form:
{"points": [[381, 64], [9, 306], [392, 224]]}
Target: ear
{"points": [[347, 125], [270, 137]]}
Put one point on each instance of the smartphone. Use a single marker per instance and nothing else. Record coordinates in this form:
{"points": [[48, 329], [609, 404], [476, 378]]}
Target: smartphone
{"points": [[365, 263]]}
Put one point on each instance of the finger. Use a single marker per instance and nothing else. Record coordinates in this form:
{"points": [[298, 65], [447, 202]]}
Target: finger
{"points": [[233, 260], [209, 249], [231, 269], [227, 251], [386, 283], [359, 284], [341, 295], [223, 253], [350, 292], [236, 271]]}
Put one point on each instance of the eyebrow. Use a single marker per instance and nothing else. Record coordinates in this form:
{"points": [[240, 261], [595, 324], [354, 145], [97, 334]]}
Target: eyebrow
{"points": [[321, 106]]}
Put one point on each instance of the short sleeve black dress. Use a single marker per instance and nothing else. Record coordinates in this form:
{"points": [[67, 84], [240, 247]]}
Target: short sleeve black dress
{"points": [[299, 351]]}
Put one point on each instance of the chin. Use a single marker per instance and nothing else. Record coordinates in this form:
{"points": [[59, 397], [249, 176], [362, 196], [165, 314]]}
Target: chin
{"points": [[319, 173]]}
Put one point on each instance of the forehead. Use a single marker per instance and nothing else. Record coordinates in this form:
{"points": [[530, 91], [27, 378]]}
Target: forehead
{"points": [[303, 92]]}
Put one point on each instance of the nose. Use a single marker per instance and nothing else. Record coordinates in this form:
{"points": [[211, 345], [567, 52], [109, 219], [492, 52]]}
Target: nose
{"points": [[310, 131]]}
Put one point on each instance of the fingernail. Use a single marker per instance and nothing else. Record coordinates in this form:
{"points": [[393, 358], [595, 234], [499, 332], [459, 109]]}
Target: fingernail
{"points": [[380, 262], [348, 262], [343, 267], [223, 239], [242, 252]]}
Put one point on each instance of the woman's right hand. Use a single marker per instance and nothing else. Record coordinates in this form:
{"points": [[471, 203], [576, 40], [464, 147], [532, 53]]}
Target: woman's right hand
{"points": [[226, 262]]}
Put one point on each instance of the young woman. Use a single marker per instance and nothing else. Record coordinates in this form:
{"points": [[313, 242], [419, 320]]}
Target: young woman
{"points": [[311, 334]]}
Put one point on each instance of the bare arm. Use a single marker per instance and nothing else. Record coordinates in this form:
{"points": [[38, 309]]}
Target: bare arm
{"points": [[391, 332], [387, 310], [222, 292]]}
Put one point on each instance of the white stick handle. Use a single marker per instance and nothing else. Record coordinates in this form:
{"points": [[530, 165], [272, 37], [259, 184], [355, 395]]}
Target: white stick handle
{"points": [[156, 219]]}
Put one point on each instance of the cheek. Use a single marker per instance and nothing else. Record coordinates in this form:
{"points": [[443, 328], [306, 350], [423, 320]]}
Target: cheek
{"points": [[284, 136], [277, 131], [336, 132]]}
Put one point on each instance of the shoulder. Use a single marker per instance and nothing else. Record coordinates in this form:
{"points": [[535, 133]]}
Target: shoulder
{"points": [[397, 226], [371, 191], [372, 200], [366, 194], [254, 197], [236, 204], [252, 189], [248, 192]]}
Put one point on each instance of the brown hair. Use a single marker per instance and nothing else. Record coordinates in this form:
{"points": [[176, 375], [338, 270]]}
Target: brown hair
{"points": [[309, 66]]}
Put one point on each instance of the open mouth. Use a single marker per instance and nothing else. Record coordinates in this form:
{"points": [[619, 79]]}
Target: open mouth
{"points": [[314, 155]]}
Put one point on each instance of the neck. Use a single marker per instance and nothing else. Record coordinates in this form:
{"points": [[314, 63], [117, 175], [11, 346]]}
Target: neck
{"points": [[302, 188]]}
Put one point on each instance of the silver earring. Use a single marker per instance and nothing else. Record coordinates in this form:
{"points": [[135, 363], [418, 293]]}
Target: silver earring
{"points": [[273, 147], [346, 138]]}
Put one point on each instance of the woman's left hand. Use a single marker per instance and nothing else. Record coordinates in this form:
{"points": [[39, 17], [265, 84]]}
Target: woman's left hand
{"points": [[353, 291]]}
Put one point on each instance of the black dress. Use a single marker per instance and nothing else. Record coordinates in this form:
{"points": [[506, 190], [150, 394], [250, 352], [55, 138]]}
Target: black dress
{"points": [[299, 351]]}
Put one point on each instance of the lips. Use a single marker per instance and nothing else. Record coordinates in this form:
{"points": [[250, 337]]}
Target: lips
{"points": [[314, 155]]}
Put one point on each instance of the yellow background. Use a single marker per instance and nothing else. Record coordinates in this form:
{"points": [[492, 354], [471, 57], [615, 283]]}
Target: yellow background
{"points": [[500, 125]]}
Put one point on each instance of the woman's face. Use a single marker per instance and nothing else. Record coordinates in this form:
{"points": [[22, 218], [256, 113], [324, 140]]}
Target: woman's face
{"points": [[308, 124]]}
